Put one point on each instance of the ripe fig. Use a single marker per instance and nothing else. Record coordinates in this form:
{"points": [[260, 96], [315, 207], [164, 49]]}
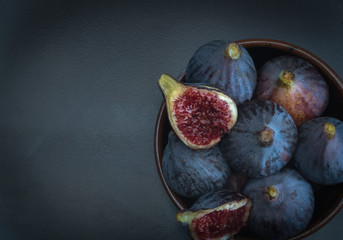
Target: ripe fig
{"points": [[319, 156], [283, 204], [216, 215], [199, 115], [296, 85], [227, 66], [262, 141], [192, 173]]}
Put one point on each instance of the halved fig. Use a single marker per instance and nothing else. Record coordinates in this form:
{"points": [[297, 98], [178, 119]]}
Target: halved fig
{"points": [[200, 115], [296, 85], [216, 215]]}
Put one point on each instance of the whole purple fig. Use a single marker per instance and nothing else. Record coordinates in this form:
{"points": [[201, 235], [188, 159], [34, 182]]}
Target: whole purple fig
{"points": [[227, 66], [283, 204], [319, 156], [192, 173], [262, 141]]}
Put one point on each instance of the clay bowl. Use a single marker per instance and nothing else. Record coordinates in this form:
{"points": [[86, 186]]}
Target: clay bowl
{"points": [[329, 200]]}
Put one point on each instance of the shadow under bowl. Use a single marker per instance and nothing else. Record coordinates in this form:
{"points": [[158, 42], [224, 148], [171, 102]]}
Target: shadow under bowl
{"points": [[328, 199]]}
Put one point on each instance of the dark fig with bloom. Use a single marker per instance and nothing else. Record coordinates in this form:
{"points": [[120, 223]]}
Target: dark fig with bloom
{"points": [[319, 156], [216, 215], [200, 115], [296, 85], [283, 204], [226, 65], [262, 141], [192, 173]]}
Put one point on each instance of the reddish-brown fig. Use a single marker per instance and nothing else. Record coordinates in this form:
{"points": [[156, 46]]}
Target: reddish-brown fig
{"points": [[200, 115], [296, 85]]}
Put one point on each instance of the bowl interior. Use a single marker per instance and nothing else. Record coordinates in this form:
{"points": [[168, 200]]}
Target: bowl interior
{"points": [[328, 199]]}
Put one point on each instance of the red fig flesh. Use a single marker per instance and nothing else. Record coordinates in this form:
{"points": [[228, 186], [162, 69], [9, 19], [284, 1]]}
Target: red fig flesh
{"points": [[200, 115], [226, 215]]}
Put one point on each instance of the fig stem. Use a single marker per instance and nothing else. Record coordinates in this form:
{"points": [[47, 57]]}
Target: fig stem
{"points": [[168, 84], [286, 78], [266, 136], [272, 192], [330, 130], [185, 217], [233, 51]]}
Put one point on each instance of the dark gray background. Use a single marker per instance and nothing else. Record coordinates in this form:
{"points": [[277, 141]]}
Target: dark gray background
{"points": [[79, 100]]}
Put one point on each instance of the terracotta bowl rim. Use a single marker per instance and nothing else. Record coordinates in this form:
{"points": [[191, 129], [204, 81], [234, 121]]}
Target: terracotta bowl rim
{"points": [[328, 72]]}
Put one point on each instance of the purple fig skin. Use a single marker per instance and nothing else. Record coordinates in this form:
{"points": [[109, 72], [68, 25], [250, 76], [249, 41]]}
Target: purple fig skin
{"points": [[215, 199], [192, 173], [285, 214], [211, 65], [296, 85], [319, 157], [259, 155]]}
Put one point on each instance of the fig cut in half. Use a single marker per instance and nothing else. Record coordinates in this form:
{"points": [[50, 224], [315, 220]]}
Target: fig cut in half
{"points": [[216, 215], [200, 115]]}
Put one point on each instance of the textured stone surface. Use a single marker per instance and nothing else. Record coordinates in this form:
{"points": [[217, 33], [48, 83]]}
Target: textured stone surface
{"points": [[79, 100]]}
